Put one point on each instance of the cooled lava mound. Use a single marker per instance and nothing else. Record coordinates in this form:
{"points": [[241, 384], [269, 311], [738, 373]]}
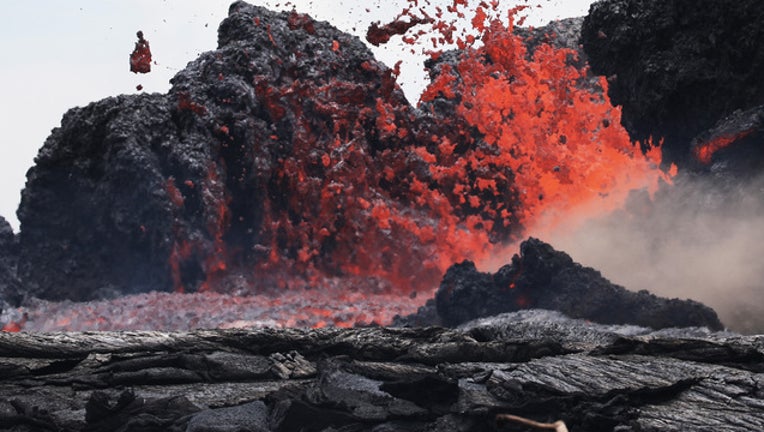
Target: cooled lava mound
{"points": [[10, 289], [540, 277]]}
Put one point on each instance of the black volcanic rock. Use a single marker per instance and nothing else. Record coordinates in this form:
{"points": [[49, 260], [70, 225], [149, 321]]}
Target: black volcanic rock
{"points": [[10, 293], [95, 213], [535, 364], [543, 278], [151, 192], [284, 153], [677, 67]]}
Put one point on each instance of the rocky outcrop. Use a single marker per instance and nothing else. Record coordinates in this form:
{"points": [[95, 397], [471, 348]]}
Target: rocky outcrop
{"points": [[10, 292], [543, 278], [535, 364], [241, 164], [285, 156], [677, 67]]}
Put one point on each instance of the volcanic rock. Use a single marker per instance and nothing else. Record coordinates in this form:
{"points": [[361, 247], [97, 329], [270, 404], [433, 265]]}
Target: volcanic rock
{"points": [[564, 33], [240, 164], [541, 277], [10, 294], [677, 67], [287, 155], [732, 147], [535, 364]]}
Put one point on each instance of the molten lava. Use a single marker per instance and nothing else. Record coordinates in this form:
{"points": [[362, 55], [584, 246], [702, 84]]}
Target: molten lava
{"points": [[373, 194], [140, 59], [526, 142], [704, 152]]}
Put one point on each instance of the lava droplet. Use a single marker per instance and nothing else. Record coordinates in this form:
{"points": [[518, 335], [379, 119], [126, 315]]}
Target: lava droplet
{"points": [[140, 59]]}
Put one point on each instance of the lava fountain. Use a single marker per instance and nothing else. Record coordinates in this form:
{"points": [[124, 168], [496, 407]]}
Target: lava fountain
{"points": [[326, 199]]}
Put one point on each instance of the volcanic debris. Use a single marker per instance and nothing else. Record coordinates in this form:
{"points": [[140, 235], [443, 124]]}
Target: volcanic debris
{"points": [[535, 364], [286, 153], [543, 278], [140, 58], [10, 287], [238, 165], [677, 68], [289, 150]]}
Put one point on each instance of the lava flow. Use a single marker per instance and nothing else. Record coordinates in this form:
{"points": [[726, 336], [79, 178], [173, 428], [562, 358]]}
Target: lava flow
{"points": [[375, 196]]}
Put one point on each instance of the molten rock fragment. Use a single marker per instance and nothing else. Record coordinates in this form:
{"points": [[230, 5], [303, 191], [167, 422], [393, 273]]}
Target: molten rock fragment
{"points": [[380, 34], [543, 278], [140, 59]]}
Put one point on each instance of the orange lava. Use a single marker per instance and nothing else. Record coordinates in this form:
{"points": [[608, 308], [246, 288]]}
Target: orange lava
{"points": [[563, 144], [400, 214], [140, 59], [704, 152], [546, 146]]}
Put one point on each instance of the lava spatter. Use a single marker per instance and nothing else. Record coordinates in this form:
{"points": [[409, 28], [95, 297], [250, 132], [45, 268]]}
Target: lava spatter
{"points": [[140, 59], [367, 190], [290, 155], [559, 142], [525, 139]]}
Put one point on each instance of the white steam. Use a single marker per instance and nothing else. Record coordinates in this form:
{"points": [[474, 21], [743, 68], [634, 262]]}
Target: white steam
{"points": [[701, 239]]}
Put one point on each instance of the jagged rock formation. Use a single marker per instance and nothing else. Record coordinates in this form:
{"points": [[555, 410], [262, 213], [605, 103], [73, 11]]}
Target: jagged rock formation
{"points": [[541, 277], [10, 294], [677, 67], [288, 152], [535, 364], [732, 148], [162, 192]]}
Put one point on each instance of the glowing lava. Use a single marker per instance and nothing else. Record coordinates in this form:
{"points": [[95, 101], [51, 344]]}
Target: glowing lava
{"points": [[140, 59], [362, 188], [704, 152], [527, 141]]}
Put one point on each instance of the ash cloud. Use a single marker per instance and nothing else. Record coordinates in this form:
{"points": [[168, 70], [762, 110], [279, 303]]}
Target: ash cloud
{"points": [[702, 239]]}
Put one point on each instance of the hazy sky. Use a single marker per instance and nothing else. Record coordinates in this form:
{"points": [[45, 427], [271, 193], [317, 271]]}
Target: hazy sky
{"points": [[55, 55]]}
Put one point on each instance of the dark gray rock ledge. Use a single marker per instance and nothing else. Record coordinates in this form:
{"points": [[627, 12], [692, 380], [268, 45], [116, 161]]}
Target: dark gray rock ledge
{"points": [[536, 364]]}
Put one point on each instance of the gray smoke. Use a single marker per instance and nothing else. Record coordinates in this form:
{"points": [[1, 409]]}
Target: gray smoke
{"points": [[701, 239]]}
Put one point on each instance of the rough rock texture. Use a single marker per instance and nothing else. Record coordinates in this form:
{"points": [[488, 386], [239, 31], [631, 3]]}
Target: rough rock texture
{"points": [[96, 185], [733, 147], [10, 294], [534, 364], [541, 277], [152, 192], [677, 67], [564, 33], [281, 157]]}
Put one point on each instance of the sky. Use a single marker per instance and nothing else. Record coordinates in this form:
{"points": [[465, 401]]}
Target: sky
{"points": [[56, 55]]}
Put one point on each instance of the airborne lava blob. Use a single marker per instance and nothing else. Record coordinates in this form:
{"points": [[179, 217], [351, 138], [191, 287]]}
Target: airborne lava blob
{"points": [[140, 58]]}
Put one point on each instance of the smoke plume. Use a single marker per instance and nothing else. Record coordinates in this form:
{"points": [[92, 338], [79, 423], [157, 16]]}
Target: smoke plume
{"points": [[702, 239]]}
